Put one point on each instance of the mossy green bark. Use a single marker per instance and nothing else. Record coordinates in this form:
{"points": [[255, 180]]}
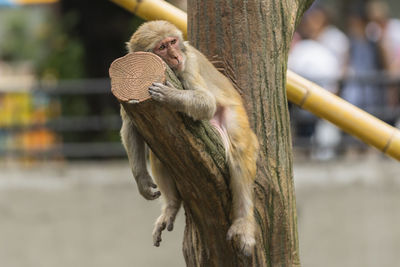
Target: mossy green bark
{"points": [[249, 41]]}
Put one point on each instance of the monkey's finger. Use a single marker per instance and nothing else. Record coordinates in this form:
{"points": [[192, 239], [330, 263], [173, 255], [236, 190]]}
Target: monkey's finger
{"points": [[156, 96], [150, 195], [158, 84], [152, 185], [169, 84], [156, 194], [153, 90], [133, 101]]}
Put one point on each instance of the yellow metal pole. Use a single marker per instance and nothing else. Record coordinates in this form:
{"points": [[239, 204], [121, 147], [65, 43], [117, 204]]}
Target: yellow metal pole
{"points": [[156, 10], [349, 118], [300, 91]]}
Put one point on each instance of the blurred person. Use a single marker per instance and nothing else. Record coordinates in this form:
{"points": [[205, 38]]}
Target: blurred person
{"points": [[365, 59], [365, 64], [386, 32], [319, 57], [317, 25], [317, 63]]}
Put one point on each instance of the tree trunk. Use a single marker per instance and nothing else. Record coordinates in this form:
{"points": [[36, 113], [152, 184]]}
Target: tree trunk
{"points": [[249, 42]]}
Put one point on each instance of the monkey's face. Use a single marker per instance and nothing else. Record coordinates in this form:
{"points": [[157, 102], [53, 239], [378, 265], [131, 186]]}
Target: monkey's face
{"points": [[169, 49]]}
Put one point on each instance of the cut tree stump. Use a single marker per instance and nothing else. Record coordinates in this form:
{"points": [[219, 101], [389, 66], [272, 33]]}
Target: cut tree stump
{"points": [[132, 75]]}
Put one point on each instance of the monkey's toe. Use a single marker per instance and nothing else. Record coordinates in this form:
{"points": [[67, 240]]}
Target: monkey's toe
{"points": [[247, 245], [163, 222], [170, 226], [242, 234], [157, 236], [157, 242]]}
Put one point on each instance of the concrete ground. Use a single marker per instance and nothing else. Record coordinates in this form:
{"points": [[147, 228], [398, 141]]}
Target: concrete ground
{"points": [[90, 214]]}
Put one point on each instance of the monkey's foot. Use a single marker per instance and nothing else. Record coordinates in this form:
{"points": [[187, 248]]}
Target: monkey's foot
{"points": [[164, 221], [146, 187], [242, 232]]}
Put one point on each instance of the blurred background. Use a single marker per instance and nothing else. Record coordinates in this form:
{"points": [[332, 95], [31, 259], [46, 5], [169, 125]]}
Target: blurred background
{"points": [[67, 197]]}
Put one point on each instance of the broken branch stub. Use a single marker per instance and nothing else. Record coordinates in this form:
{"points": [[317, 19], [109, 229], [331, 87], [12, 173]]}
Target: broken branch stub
{"points": [[132, 74]]}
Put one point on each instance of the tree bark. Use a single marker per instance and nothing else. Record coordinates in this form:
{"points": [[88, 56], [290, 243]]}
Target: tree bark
{"points": [[249, 41]]}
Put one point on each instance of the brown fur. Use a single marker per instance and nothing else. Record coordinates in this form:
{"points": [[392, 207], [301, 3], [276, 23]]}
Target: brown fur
{"points": [[209, 95]]}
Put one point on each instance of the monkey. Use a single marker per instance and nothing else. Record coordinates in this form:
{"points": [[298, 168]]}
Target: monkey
{"points": [[208, 95]]}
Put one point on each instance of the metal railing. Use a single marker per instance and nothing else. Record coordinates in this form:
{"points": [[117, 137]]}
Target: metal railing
{"points": [[45, 138]]}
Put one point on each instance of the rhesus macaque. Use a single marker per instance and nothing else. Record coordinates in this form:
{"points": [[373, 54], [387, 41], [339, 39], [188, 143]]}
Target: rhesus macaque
{"points": [[208, 95]]}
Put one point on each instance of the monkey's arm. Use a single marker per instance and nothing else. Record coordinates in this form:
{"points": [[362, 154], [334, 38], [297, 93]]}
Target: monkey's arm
{"points": [[135, 149], [198, 103]]}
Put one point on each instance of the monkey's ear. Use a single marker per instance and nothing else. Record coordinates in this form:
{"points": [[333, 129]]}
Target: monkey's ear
{"points": [[128, 46], [185, 45]]}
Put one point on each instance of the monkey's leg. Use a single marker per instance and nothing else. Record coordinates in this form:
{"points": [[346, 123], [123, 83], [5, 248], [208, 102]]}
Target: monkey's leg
{"points": [[243, 225], [170, 197], [135, 149], [242, 168]]}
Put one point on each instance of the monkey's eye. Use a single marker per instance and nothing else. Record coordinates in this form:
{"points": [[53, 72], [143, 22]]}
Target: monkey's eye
{"points": [[173, 41], [162, 47]]}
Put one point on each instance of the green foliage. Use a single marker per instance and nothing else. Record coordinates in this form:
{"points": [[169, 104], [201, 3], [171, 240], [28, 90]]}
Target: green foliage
{"points": [[62, 55], [39, 37], [16, 39]]}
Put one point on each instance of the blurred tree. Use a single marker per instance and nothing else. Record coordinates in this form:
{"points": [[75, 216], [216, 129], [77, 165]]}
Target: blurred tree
{"points": [[103, 29], [61, 56], [12, 46], [182, 4], [28, 37]]}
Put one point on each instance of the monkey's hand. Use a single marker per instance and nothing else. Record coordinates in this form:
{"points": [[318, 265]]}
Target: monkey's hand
{"points": [[146, 186], [133, 101], [163, 93]]}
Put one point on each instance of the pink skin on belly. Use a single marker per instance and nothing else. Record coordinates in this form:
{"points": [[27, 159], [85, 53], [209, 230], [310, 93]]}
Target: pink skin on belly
{"points": [[219, 122]]}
